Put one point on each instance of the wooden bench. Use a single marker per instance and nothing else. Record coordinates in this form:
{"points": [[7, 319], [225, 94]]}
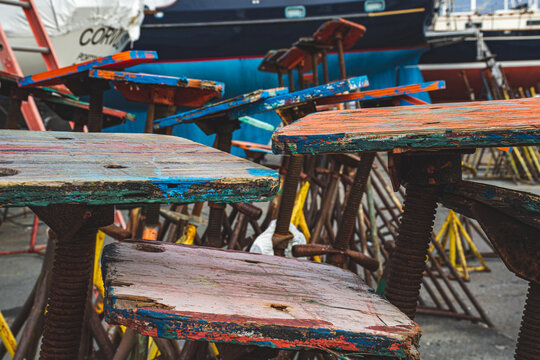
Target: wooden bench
{"points": [[183, 292], [72, 182], [425, 144]]}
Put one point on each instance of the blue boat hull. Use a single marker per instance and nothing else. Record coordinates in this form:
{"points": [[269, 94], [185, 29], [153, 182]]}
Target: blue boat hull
{"points": [[384, 69]]}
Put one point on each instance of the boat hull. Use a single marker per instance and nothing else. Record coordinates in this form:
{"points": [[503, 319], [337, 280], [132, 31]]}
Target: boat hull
{"points": [[518, 52]]}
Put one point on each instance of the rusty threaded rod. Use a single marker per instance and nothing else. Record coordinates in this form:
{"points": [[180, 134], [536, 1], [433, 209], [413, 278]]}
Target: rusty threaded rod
{"points": [[409, 258], [73, 261], [215, 217], [288, 195], [354, 200], [528, 346]]}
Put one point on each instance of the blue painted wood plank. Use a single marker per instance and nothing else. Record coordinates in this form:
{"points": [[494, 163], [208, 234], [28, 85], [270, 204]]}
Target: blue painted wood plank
{"points": [[151, 79], [221, 107], [477, 124], [116, 61], [271, 103], [44, 167]]}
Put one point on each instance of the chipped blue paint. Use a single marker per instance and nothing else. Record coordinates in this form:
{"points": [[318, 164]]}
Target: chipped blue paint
{"points": [[179, 326], [238, 107], [262, 172], [350, 143], [220, 107]]}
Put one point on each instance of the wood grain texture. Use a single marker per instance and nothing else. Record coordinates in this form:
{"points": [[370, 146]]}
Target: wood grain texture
{"points": [[237, 107], [116, 61], [159, 89], [186, 292], [464, 125], [40, 168]]}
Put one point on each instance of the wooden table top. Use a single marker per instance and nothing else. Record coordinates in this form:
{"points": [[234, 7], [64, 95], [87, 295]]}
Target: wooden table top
{"points": [[43, 167], [116, 61], [442, 126], [237, 107], [188, 292], [160, 89]]}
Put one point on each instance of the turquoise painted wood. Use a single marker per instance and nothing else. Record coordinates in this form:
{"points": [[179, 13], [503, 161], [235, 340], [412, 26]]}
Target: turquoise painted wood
{"points": [[232, 109], [450, 126], [40, 168]]}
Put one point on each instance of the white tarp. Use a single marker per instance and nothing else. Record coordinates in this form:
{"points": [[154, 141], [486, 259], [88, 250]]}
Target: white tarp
{"points": [[64, 16]]}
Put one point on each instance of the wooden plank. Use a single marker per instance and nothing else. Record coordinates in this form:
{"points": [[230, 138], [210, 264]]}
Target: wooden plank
{"points": [[40, 168], [219, 108], [236, 109], [384, 93], [185, 292], [167, 90], [116, 61], [450, 126], [520, 205]]}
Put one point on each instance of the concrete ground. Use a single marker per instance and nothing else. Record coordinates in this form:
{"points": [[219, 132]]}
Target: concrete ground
{"points": [[499, 292]]}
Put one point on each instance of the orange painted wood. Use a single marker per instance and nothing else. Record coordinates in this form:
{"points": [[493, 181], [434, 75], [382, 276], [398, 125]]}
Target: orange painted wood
{"points": [[186, 292], [464, 125]]}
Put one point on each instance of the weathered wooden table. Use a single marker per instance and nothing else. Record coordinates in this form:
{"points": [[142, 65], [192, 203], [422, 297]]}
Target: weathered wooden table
{"points": [[425, 145], [76, 78], [72, 181], [165, 91], [184, 292]]}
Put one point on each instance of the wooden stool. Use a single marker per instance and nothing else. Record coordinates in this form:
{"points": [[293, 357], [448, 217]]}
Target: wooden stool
{"points": [[424, 145], [184, 292], [72, 181]]}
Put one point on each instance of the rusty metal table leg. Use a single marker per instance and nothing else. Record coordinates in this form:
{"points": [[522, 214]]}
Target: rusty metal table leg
{"points": [[291, 80], [423, 175], [288, 196], [341, 56], [215, 218], [346, 227], [76, 226], [528, 346], [95, 111], [324, 59]]}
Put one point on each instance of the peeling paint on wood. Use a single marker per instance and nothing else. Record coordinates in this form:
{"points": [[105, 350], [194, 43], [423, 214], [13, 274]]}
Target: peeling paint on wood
{"points": [[237, 297], [116, 61], [237, 107], [167, 90], [465, 125], [384, 93], [39, 168]]}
